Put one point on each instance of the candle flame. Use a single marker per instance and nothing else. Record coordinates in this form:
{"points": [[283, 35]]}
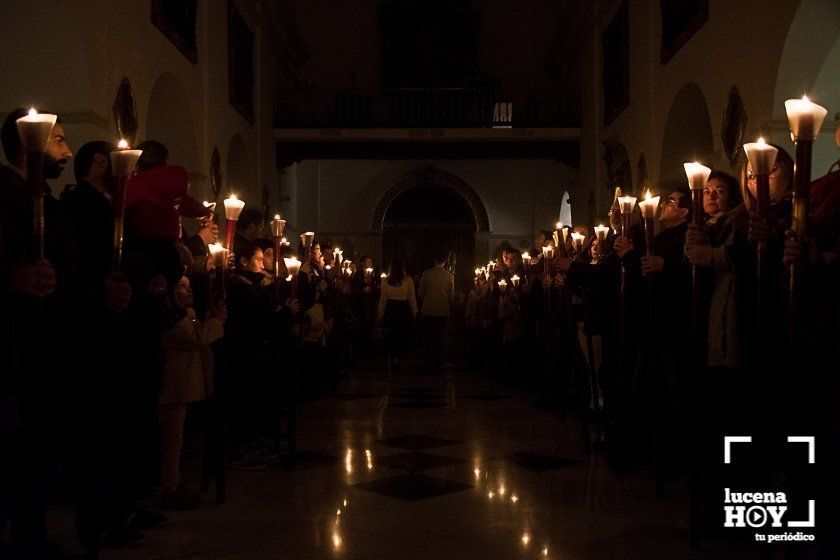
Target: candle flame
{"points": [[123, 144], [647, 195], [761, 141], [545, 551], [805, 98], [558, 225], [32, 112], [277, 216], [514, 498], [232, 197], [526, 538]]}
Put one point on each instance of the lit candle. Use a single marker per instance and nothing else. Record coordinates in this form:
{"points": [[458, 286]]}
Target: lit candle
{"points": [[337, 255], [577, 241], [526, 258], [308, 237], [697, 175], [762, 158], [626, 204], [219, 255], [123, 159], [292, 265], [383, 276], [548, 252], [477, 271], [601, 232], [233, 207], [284, 242], [514, 280], [502, 285], [218, 252], [368, 274], [278, 226], [34, 130], [805, 118], [649, 205]]}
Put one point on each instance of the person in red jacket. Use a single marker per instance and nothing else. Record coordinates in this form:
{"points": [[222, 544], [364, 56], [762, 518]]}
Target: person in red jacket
{"points": [[156, 197]]}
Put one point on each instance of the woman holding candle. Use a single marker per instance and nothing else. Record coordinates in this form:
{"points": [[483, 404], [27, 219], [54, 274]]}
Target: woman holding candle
{"points": [[397, 311], [247, 327]]}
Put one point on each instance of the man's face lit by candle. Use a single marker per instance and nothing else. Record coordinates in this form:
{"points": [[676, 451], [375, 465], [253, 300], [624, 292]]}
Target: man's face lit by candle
{"points": [[57, 153]]}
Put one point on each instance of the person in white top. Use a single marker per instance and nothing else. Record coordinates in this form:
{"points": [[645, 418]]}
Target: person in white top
{"points": [[437, 290], [397, 310]]}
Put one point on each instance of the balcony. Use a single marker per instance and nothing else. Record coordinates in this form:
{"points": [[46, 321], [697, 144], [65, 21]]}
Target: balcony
{"points": [[425, 108]]}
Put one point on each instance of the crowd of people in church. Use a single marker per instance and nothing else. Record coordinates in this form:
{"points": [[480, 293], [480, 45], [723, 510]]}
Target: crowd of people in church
{"points": [[107, 363], [668, 343]]}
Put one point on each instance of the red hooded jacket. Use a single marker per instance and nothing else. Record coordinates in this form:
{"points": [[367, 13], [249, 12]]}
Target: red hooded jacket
{"points": [[154, 200]]}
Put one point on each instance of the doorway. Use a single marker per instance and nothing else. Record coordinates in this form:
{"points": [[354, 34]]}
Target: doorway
{"points": [[427, 218]]}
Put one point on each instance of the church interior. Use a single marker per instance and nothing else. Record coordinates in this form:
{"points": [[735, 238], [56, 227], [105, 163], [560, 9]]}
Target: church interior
{"points": [[512, 279]]}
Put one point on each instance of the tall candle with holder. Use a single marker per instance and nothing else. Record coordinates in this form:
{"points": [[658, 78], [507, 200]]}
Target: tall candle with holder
{"points": [[762, 159], [697, 175], [278, 226], [34, 130], [805, 119], [233, 208], [123, 162]]}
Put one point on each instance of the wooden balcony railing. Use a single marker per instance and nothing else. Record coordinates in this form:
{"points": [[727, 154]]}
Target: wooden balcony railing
{"points": [[425, 108]]}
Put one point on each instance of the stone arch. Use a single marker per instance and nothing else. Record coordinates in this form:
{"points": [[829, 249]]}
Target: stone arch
{"points": [[687, 135], [169, 119], [431, 175], [813, 30], [239, 169]]}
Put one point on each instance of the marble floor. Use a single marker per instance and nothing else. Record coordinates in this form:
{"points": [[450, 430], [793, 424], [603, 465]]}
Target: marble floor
{"points": [[422, 466]]}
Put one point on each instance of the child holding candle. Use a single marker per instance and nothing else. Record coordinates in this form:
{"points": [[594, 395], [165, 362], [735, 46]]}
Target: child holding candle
{"points": [[187, 377]]}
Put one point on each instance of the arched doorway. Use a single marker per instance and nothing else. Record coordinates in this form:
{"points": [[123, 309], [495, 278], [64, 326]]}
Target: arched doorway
{"points": [[424, 219], [426, 211], [687, 137]]}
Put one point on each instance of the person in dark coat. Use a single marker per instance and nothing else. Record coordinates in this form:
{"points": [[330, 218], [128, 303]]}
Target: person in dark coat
{"points": [[36, 309]]}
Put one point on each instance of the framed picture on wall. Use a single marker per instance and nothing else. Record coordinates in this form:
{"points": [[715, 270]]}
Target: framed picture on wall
{"points": [[240, 64], [681, 19], [615, 67], [176, 19]]}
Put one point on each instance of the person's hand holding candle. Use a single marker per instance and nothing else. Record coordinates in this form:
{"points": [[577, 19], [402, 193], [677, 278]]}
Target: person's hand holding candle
{"points": [[622, 246]]}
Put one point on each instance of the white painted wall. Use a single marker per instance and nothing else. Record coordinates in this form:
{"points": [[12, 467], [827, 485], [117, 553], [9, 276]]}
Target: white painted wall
{"points": [[337, 198], [70, 56], [770, 49]]}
